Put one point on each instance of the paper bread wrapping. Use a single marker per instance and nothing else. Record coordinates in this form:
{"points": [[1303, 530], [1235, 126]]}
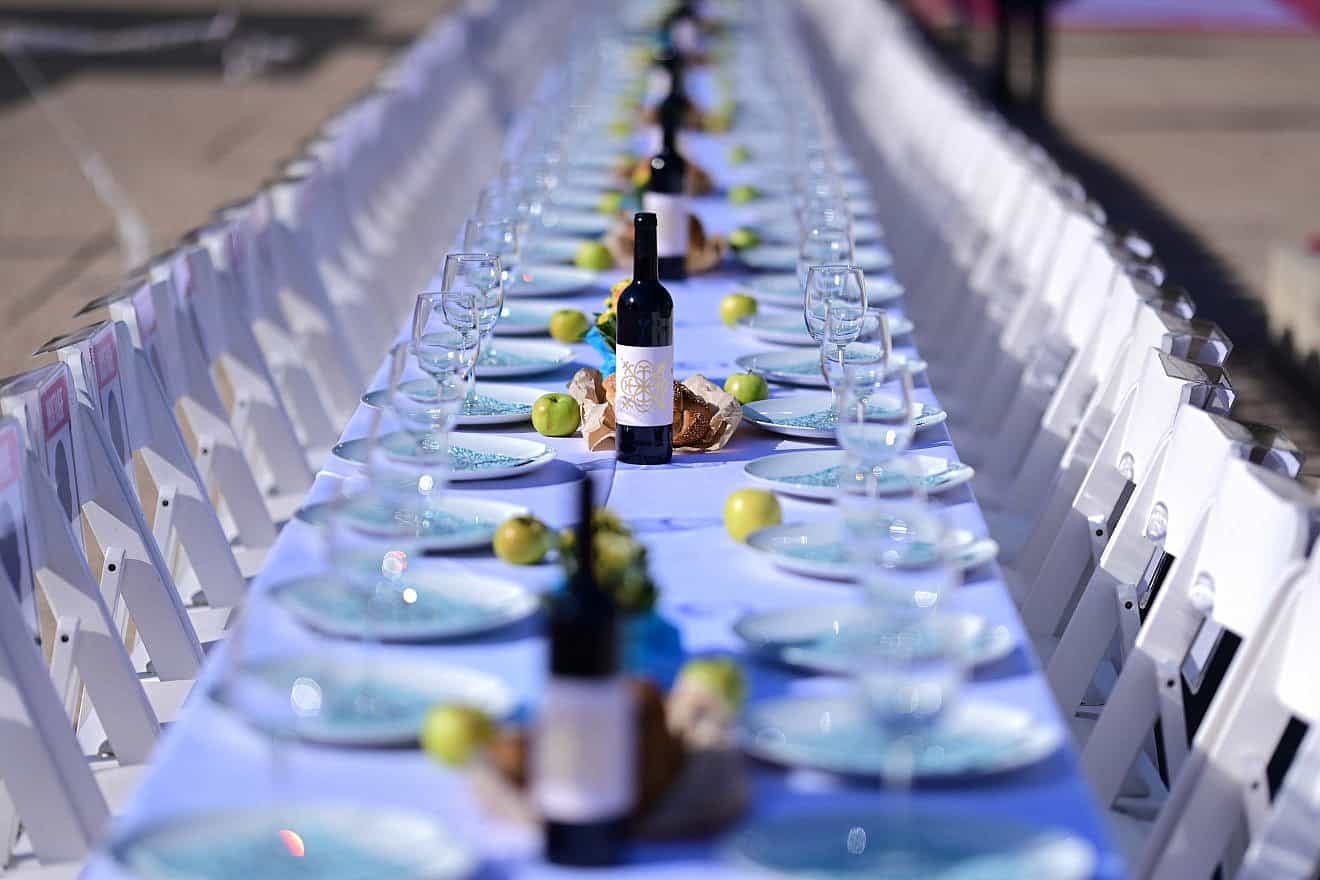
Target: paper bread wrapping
{"points": [[705, 415]]}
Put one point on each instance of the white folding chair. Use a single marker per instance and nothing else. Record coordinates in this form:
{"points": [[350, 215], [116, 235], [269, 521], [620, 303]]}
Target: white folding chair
{"points": [[53, 799], [1181, 476], [1220, 804], [1121, 464], [214, 341]]}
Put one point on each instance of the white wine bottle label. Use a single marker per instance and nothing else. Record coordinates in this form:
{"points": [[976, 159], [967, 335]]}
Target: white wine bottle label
{"points": [[585, 752], [644, 385], [671, 223]]}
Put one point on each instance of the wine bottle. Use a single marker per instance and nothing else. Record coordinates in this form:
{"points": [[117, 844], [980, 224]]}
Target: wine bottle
{"points": [[644, 356], [683, 27], [585, 757], [664, 190]]}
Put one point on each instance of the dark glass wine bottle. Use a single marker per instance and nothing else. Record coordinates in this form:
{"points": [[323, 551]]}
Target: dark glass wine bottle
{"points": [[644, 356], [585, 756], [664, 195]]}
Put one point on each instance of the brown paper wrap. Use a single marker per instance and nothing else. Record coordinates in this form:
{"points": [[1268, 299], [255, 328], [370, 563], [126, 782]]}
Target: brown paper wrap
{"points": [[704, 252], [705, 415]]}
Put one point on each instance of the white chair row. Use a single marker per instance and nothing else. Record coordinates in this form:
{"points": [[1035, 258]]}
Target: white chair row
{"points": [[1146, 532], [145, 472]]}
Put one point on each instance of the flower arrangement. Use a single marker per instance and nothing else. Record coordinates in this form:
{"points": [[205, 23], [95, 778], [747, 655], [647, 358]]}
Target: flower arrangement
{"points": [[604, 334]]}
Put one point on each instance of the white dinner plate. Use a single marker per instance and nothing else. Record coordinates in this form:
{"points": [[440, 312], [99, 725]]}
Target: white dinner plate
{"points": [[508, 359], [832, 638], [332, 841], [433, 601], [840, 735], [493, 404], [900, 841], [783, 289], [547, 280], [471, 456], [455, 521], [871, 259], [810, 416], [378, 705], [801, 366], [573, 195], [814, 473], [788, 328], [815, 549], [785, 231]]}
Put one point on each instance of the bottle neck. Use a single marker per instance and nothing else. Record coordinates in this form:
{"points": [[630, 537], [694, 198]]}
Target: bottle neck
{"points": [[668, 134], [646, 259]]}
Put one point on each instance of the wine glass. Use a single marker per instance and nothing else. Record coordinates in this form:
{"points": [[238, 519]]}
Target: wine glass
{"points": [[821, 246], [479, 274], [877, 422], [834, 310], [497, 237], [444, 339]]}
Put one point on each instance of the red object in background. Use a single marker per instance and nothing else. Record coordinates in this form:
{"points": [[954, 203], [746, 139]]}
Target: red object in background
{"points": [[1314, 244]]}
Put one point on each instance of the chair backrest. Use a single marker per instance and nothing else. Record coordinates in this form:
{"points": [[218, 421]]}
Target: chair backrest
{"points": [[1220, 805], [1258, 526], [1121, 463]]}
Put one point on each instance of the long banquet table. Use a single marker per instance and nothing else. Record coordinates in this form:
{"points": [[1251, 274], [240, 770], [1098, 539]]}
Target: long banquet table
{"points": [[208, 759]]}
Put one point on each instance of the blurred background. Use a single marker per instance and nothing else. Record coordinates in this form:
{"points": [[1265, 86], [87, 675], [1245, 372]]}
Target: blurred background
{"points": [[1195, 121]]}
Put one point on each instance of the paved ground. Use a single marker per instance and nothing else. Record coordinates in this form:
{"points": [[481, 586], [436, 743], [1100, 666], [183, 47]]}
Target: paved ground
{"points": [[178, 138], [1211, 144]]}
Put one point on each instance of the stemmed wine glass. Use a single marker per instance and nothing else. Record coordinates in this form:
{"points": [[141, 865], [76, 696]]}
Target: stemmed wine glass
{"points": [[834, 309], [877, 422], [823, 246], [445, 330], [497, 237], [478, 274]]}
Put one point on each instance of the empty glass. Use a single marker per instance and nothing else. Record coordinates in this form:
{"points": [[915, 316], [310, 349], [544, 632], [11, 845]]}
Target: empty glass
{"points": [[478, 274], [444, 339], [822, 246], [497, 237], [877, 421]]}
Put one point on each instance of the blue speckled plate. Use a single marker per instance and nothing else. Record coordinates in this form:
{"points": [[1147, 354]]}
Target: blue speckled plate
{"points": [[810, 415], [839, 734], [458, 521], [901, 842], [785, 290], [788, 328], [814, 473], [833, 638], [871, 259], [494, 403], [814, 549], [432, 603], [801, 366], [510, 358], [471, 456], [307, 841]]}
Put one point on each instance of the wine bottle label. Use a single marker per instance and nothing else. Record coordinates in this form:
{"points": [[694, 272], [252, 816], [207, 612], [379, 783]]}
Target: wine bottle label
{"points": [[644, 385], [671, 223], [584, 756]]}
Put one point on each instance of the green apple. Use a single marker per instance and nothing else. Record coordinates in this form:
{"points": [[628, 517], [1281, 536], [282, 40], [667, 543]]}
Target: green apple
{"points": [[620, 128], [594, 256], [522, 540], [744, 237], [747, 387], [743, 193], [735, 306], [556, 414], [569, 325], [750, 510], [453, 734], [610, 203], [739, 154], [719, 676]]}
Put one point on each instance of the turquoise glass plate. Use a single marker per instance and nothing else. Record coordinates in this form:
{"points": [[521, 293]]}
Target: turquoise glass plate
{"points": [[492, 403], [897, 843], [814, 549], [454, 521], [431, 603], [800, 366], [471, 456], [835, 638], [814, 473], [313, 841], [786, 291], [788, 328], [811, 416], [839, 735]]}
